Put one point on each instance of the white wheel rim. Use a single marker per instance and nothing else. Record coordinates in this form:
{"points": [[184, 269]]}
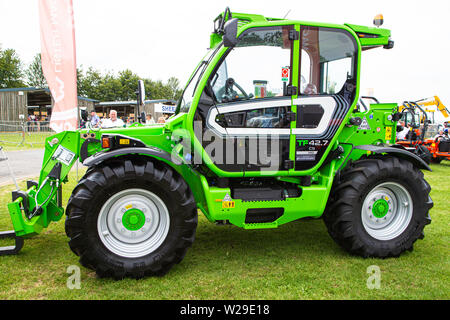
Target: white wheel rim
{"points": [[133, 243], [395, 220]]}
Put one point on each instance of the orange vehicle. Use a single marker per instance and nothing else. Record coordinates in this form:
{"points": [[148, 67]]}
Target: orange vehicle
{"points": [[439, 147], [416, 124], [425, 138]]}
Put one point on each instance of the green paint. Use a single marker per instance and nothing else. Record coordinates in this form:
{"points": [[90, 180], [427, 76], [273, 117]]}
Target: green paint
{"points": [[303, 143], [166, 136], [133, 219], [380, 208]]}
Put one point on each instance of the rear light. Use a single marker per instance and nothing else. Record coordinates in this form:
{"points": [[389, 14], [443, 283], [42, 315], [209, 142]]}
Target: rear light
{"points": [[106, 143]]}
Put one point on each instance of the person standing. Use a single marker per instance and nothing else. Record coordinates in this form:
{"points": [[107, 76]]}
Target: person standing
{"points": [[149, 119], [401, 135]]}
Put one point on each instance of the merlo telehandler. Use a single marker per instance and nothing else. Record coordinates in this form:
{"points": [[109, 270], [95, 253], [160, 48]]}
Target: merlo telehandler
{"points": [[268, 131]]}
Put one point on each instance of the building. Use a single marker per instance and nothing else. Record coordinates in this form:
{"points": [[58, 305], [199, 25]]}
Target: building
{"points": [[128, 109], [32, 101], [15, 102]]}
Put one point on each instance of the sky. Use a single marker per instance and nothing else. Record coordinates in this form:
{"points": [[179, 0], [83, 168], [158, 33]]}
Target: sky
{"points": [[160, 39]]}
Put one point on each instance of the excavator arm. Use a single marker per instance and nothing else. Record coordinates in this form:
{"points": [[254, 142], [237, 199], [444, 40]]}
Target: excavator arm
{"points": [[435, 102]]}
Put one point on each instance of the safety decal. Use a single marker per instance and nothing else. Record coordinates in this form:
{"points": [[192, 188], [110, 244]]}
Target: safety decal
{"points": [[227, 202], [388, 133], [364, 125]]}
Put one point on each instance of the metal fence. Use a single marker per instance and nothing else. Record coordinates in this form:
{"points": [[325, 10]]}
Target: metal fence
{"points": [[24, 133]]}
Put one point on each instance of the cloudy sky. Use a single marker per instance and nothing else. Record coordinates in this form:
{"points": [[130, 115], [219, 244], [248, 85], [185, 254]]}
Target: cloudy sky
{"points": [[160, 39]]}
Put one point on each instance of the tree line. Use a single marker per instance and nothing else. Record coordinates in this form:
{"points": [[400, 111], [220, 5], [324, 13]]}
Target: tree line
{"points": [[91, 83]]}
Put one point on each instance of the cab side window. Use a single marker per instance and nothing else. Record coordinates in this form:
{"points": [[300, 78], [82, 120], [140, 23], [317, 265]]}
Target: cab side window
{"points": [[255, 118], [328, 61], [253, 69]]}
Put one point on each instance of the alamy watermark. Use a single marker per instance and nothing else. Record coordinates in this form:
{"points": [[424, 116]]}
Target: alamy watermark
{"points": [[374, 279], [74, 279], [243, 148]]}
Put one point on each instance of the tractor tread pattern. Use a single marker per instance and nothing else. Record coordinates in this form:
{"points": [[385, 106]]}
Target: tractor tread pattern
{"points": [[115, 173], [344, 206]]}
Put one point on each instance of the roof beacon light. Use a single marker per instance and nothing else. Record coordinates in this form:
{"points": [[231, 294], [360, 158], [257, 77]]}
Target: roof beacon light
{"points": [[378, 20]]}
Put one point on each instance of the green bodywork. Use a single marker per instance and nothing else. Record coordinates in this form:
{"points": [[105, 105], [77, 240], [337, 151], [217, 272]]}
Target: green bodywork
{"points": [[210, 199]]}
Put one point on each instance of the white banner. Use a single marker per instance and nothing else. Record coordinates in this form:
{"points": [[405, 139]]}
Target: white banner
{"points": [[164, 108]]}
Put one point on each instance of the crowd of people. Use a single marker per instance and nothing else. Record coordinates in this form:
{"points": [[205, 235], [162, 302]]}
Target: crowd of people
{"points": [[407, 132], [113, 121]]}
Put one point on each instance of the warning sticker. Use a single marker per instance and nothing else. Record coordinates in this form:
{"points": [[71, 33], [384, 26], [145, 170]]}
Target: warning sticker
{"points": [[285, 74], [227, 202], [388, 133], [364, 125]]}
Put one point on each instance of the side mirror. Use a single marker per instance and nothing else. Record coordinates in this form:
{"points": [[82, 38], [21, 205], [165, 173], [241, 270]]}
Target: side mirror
{"points": [[141, 93], [142, 117], [230, 33]]}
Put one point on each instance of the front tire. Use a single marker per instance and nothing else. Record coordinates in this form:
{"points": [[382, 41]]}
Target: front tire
{"points": [[131, 218], [379, 208]]}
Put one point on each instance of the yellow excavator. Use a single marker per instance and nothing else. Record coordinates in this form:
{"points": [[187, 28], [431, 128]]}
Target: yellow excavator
{"points": [[434, 102]]}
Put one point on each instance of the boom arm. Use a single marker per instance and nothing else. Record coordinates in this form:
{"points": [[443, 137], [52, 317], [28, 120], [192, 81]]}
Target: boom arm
{"points": [[435, 101]]}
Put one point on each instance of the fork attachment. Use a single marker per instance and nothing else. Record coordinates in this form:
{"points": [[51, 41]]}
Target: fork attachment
{"points": [[11, 250]]}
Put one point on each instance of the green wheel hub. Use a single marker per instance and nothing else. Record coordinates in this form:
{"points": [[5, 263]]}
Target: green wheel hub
{"points": [[133, 219], [380, 208]]}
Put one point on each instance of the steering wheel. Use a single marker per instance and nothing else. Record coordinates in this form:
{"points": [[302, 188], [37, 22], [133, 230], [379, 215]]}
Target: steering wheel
{"points": [[229, 94]]}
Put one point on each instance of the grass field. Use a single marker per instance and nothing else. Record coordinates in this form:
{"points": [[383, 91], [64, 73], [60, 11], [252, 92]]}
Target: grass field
{"points": [[295, 261], [34, 140]]}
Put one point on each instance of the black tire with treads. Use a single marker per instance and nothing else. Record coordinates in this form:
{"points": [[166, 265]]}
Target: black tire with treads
{"points": [[107, 179], [343, 213]]}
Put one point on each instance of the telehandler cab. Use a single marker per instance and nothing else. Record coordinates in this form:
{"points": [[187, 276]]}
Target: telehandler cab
{"points": [[268, 131]]}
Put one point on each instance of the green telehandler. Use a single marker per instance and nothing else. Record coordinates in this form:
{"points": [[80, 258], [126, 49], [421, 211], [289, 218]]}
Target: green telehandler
{"points": [[269, 130]]}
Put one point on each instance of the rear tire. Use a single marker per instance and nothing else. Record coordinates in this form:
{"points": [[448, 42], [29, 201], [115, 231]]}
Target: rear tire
{"points": [[379, 208], [131, 218]]}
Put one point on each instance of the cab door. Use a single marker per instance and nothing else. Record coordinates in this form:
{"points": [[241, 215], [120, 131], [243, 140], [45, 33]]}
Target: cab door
{"points": [[327, 78], [253, 101]]}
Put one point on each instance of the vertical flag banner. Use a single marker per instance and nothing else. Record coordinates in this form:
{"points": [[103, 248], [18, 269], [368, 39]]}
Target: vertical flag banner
{"points": [[59, 61]]}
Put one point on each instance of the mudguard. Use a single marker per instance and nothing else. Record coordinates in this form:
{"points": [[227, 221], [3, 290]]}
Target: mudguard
{"points": [[103, 156], [398, 151]]}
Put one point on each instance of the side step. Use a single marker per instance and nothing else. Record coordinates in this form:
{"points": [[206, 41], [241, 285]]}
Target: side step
{"points": [[264, 218], [11, 250]]}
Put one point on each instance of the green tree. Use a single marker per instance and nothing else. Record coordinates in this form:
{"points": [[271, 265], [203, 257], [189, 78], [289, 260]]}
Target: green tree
{"points": [[11, 73], [123, 86], [174, 86], [34, 74], [88, 82]]}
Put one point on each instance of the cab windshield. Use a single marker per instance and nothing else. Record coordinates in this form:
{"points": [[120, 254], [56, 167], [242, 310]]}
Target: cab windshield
{"points": [[184, 104]]}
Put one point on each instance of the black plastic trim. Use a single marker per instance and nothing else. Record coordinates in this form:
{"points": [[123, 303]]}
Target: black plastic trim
{"points": [[399, 152], [103, 156], [84, 154]]}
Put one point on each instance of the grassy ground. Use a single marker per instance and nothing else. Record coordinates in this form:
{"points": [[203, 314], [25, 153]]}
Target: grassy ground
{"points": [[34, 140], [296, 261]]}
